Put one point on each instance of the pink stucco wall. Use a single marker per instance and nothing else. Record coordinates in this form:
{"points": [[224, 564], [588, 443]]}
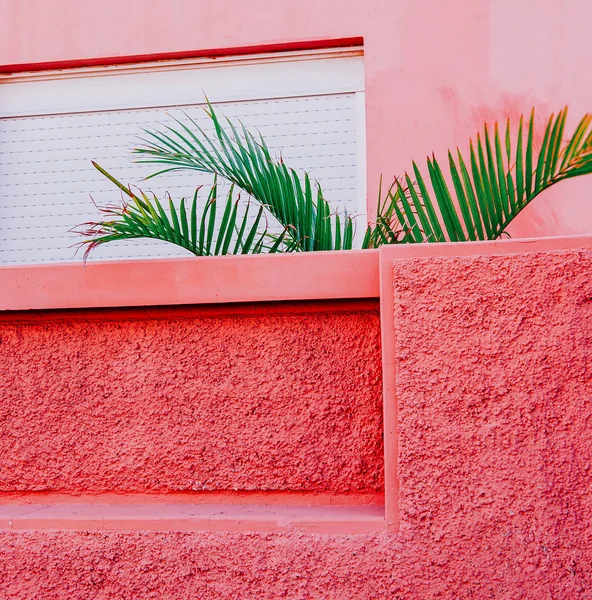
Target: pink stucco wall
{"points": [[491, 362], [494, 398], [284, 397], [434, 70]]}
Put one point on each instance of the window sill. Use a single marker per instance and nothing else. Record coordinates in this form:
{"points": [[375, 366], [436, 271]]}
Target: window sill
{"points": [[167, 282]]}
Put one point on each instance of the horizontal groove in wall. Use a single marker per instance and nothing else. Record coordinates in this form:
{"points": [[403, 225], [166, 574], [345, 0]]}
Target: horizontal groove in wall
{"points": [[201, 311], [227, 497], [322, 513]]}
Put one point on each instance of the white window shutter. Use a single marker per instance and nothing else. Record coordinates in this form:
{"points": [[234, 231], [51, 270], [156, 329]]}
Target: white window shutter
{"points": [[309, 106]]}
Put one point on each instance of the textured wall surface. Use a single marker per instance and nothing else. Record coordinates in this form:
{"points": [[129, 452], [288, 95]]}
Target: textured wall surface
{"points": [[493, 362], [254, 566], [267, 400], [136, 566], [494, 387]]}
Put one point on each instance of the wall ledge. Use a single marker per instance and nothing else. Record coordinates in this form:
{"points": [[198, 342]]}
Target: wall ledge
{"points": [[352, 274], [192, 517], [485, 248], [167, 282]]}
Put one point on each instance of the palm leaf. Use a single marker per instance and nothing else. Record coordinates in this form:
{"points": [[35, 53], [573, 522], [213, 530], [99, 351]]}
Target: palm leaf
{"points": [[236, 155], [488, 196], [145, 217]]}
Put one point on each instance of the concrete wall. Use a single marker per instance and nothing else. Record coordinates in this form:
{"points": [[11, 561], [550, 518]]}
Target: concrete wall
{"points": [[434, 70], [285, 398], [493, 392], [487, 436]]}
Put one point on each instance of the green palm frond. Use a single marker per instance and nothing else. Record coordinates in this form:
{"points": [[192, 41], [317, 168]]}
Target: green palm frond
{"points": [[234, 153], [489, 189], [188, 226]]}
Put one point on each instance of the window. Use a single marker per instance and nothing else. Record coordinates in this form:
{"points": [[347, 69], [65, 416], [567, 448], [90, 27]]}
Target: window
{"points": [[308, 104]]}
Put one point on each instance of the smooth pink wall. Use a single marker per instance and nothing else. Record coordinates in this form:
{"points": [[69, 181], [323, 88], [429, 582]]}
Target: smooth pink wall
{"points": [[434, 70], [284, 398]]}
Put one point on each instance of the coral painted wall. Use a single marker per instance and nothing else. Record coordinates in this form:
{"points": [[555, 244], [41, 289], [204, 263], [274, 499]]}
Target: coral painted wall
{"points": [[494, 390], [493, 398], [250, 398], [434, 70]]}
